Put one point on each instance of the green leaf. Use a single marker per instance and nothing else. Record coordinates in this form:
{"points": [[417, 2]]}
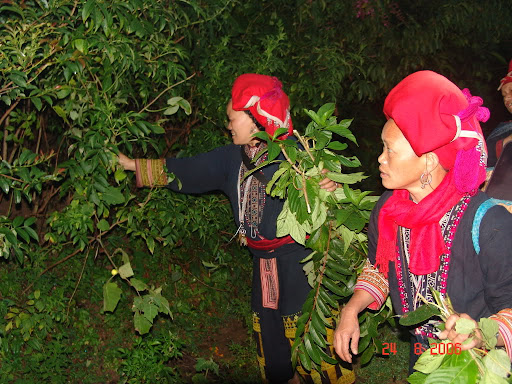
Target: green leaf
{"points": [[331, 286], [174, 100], [318, 239], [420, 315], [60, 112], [21, 233], [149, 308], [86, 11], [428, 363], [498, 362], [311, 349], [326, 111], [141, 323], [171, 110], [119, 175], [111, 296], [273, 150], [63, 92], [4, 185], [80, 45], [103, 225], [185, 105], [417, 378], [37, 103], [112, 196], [317, 323], [150, 242], [126, 271], [337, 146], [489, 329], [18, 79], [346, 178], [455, 369], [464, 326], [280, 131], [138, 284], [11, 237], [163, 304], [17, 221], [342, 130], [317, 337], [491, 378], [32, 233], [305, 360], [327, 358], [367, 355]]}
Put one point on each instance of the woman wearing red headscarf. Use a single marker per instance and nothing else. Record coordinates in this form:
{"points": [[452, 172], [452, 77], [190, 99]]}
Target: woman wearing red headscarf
{"points": [[420, 231], [280, 287], [502, 134]]}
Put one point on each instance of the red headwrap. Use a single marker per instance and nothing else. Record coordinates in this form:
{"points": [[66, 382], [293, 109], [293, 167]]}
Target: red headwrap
{"points": [[508, 76], [434, 115], [263, 96]]}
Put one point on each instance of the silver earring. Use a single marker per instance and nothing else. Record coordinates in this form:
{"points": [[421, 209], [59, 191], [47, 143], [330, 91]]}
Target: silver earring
{"points": [[425, 179]]}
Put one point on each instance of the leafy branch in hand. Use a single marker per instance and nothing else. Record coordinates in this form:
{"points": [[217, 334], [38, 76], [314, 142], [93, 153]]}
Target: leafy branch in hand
{"points": [[331, 224], [489, 365]]}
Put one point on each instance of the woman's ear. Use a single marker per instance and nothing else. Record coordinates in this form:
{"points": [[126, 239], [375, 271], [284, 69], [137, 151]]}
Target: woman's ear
{"points": [[432, 161]]}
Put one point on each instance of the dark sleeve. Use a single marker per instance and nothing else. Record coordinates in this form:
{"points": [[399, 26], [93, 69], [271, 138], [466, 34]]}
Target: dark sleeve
{"points": [[496, 257], [205, 172], [373, 227]]}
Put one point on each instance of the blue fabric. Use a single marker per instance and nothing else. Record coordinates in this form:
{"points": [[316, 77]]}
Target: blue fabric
{"points": [[480, 213]]}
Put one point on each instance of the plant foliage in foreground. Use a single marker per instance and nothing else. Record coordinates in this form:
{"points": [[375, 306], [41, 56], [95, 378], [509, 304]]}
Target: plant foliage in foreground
{"points": [[484, 366], [330, 224]]}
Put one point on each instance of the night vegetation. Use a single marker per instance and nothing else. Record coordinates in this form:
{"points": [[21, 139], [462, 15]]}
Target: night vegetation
{"points": [[101, 282]]}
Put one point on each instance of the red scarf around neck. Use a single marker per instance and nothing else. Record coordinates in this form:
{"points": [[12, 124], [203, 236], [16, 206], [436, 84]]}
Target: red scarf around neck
{"points": [[427, 243]]}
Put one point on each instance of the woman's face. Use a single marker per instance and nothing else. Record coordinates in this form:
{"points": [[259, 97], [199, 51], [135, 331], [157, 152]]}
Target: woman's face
{"points": [[506, 92], [399, 166], [241, 126]]}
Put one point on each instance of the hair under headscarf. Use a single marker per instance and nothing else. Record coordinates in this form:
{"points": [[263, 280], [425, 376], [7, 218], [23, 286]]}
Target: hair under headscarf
{"points": [[436, 116], [264, 98], [508, 76]]}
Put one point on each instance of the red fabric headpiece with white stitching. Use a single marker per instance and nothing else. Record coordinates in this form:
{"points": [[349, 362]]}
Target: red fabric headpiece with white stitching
{"points": [[264, 98]]}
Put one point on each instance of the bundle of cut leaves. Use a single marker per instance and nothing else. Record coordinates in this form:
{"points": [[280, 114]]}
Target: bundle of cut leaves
{"points": [[447, 363], [331, 224]]}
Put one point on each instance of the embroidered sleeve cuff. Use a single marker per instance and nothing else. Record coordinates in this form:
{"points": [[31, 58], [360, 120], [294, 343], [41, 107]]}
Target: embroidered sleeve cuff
{"points": [[375, 283], [150, 173], [504, 319]]}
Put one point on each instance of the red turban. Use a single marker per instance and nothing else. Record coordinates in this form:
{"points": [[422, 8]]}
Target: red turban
{"points": [[508, 76], [263, 96], [434, 115]]}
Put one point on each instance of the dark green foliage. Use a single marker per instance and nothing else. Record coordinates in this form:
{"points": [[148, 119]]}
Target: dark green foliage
{"points": [[82, 80]]}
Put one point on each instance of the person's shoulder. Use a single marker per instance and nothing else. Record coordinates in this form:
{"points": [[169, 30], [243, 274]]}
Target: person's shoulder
{"points": [[382, 200], [227, 150], [491, 212]]}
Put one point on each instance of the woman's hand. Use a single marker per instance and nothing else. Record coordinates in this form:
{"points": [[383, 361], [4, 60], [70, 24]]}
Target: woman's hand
{"points": [[125, 162], [347, 334], [328, 184], [451, 334]]}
